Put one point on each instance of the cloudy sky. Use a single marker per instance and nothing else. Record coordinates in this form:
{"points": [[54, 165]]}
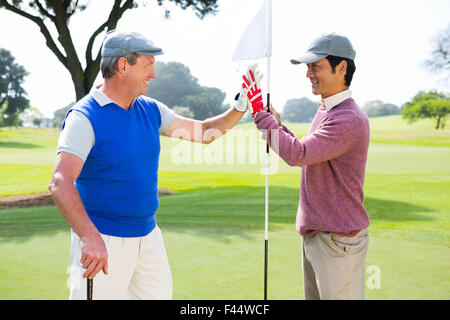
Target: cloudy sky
{"points": [[392, 39]]}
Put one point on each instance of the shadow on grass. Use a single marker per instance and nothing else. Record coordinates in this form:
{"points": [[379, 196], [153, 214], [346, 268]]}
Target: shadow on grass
{"points": [[234, 211], [19, 225], [390, 210], [219, 213], [19, 145]]}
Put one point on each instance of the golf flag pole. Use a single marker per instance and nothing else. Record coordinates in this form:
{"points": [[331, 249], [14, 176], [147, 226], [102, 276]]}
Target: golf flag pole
{"points": [[256, 43], [268, 34]]}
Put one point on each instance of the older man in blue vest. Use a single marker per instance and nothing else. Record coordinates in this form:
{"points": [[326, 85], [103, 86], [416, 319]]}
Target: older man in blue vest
{"points": [[105, 179]]}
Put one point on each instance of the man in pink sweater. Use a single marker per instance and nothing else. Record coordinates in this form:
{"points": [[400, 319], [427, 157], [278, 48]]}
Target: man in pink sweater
{"points": [[331, 216]]}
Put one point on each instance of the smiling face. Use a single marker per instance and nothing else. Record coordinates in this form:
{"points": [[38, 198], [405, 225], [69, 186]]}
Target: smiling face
{"points": [[324, 81], [139, 74]]}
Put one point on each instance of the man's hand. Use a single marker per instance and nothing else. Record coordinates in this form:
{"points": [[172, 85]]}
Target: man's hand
{"points": [[67, 199], [275, 114], [251, 83], [94, 257]]}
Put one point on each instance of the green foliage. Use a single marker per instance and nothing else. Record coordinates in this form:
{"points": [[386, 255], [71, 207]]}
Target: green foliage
{"points": [[174, 81], [33, 116], [206, 104], [12, 94], [59, 115], [299, 110], [378, 108], [431, 104], [176, 86], [183, 111]]}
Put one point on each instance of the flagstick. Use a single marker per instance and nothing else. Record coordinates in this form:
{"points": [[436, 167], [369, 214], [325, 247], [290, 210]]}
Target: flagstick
{"points": [[266, 241], [251, 47], [268, 33]]}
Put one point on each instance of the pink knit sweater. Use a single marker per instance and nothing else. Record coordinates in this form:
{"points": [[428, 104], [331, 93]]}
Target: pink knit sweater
{"points": [[333, 158]]}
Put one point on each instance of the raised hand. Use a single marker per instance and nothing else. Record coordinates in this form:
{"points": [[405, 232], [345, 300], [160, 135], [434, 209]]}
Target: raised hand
{"points": [[251, 84], [242, 102]]}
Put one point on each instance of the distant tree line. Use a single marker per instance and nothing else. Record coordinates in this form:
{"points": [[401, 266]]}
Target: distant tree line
{"points": [[179, 89], [304, 110], [432, 104], [176, 87], [299, 110], [378, 108]]}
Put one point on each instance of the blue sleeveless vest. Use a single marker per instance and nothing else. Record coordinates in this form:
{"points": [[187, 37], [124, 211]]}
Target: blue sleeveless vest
{"points": [[119, 180]]}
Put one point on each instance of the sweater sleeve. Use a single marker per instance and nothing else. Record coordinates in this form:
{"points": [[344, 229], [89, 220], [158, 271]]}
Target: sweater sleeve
{"points": [[286, 129], [333, 138]]}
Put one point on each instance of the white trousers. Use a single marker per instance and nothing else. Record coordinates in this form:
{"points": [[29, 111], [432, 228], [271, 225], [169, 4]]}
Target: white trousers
{"points": [[138, 268]]}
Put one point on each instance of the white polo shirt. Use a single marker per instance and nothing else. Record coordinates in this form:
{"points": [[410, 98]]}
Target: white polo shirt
{"points": [[78, 137]]}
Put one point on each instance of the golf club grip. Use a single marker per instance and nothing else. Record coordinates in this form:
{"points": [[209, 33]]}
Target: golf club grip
{"points": [[90, 285]]}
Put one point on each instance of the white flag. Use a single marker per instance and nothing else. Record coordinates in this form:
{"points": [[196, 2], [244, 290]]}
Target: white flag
{"points": [[256, 42]]}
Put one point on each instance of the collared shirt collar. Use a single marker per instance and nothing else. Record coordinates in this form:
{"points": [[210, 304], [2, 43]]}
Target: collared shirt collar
{"points": [[101, 98], [332, 101]]}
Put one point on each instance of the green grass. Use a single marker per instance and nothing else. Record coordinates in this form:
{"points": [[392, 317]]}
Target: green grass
{"points": [[395, 130], [24, 179], [206, 235], [213, 226], [26, 159], [31, 153]]}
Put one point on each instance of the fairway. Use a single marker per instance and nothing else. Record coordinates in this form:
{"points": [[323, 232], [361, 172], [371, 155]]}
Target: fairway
{"points": [[213, 226]]}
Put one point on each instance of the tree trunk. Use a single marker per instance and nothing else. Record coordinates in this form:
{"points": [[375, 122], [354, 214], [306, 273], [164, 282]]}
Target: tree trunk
{"points": [[80, 89], [90, 74], [59, 13], [438, 122]]}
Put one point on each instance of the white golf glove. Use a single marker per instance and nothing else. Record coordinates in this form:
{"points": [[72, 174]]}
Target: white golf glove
{"points": [[242, 103]]}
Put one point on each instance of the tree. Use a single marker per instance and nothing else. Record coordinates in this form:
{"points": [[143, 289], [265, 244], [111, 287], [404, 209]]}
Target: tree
{"points": [[176, 86], [206, 104], [59, 12], [173, 83], [440, 56], [32, 116], [299, 110], [183, 111], [60, 114], [378, 108], [12, 95], [430, 104]]}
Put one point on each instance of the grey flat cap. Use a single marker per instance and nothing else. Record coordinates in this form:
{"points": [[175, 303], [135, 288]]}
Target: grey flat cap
{"points": [[329, 44], [120, 43]]}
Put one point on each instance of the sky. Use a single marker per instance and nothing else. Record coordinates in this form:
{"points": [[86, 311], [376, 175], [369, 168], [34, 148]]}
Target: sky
{"points": [[392, 39]]}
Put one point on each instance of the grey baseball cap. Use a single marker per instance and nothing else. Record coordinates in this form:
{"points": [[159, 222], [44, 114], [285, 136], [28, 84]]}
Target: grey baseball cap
{"points": [[328, 44], [120, 43]]}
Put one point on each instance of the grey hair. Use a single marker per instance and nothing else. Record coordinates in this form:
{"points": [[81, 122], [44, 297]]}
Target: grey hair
{"points": [[108, 65]]}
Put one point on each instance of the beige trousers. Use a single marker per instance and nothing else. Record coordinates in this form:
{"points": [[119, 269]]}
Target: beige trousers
{"points": [[334, 266], [138, 268]]}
